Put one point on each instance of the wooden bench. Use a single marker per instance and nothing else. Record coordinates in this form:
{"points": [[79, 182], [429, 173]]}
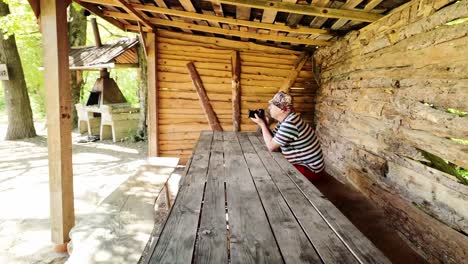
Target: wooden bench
{"points": [[118, 121], [240, 203], [119, 228]]}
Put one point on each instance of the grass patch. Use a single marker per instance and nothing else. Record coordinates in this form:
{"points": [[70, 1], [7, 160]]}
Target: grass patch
{"points": [[440, 164], [457, 112], [457, 21]]}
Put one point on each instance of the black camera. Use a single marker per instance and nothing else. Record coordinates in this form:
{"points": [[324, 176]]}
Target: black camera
{"points": [[260, 113]]}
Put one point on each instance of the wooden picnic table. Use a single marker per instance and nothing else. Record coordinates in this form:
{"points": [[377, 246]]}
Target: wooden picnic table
{"points": [[240, 203]]}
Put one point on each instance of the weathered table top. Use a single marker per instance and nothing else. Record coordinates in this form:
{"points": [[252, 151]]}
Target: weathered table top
{"points": [[239, 203]]}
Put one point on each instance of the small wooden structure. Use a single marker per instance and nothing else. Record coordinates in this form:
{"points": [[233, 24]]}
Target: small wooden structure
{"points": [[378, 95], [106, 112]]}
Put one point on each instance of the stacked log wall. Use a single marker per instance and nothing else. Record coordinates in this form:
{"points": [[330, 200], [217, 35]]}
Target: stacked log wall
{"points": [[384, 95], [263, 71]]}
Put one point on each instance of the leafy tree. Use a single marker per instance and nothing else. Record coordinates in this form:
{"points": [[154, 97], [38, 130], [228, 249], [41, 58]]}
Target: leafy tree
{"points": [[76, 38], [20, 120], [22, 22]]}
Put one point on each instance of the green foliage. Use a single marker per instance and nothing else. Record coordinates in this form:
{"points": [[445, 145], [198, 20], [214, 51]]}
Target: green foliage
{"points": [[440, 164], [457, 112], [134, 136], [457, 21], [107, 31], [126, 79], [2, 101], [22, 23]]}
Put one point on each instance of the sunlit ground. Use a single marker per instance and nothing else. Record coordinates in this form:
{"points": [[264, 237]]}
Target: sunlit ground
{"points": [[99, 168]]}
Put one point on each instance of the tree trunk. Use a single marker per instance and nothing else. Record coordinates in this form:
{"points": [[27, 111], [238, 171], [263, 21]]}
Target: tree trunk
{"points": [[76, 38], [20, 119], [143, 92]]}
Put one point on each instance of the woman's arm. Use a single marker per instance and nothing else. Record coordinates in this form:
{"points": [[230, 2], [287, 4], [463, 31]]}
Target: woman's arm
{"points": [[267, 136]]}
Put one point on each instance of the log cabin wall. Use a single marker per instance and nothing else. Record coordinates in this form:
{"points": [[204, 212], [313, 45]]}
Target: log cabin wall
{"points": [[263, 71], [384, 94]]}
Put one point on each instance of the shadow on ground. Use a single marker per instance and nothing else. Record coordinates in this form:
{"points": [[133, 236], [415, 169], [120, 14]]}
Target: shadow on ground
{"points": [[369, 219]]}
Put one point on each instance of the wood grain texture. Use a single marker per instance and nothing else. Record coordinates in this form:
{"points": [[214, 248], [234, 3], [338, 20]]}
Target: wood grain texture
{"points": [[327, 244], [59, 127], [212, 234], [292, 242], [385, 95], [153, 100], [354, 240], [183, 219], [240, 189], [236, 89], [204, 101]]}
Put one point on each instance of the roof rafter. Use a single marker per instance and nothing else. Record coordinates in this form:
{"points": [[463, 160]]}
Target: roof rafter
{"points": [[227, 32], [299, 30], [306, 10], [141, 18], [211, 18], [98, 12]]}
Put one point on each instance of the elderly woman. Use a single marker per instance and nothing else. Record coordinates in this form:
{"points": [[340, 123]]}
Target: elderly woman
{"points": [[294, 136]]}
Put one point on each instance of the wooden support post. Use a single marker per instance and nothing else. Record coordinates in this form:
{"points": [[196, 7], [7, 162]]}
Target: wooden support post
{"points": [[59, 122], [294, 73], [236, 90], [153, 144], [168, 195], [204, 101]]}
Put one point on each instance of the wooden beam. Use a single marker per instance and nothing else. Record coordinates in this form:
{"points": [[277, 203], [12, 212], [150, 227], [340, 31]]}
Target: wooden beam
{"points": [[153, 131], [218, 19], [35, 6], [98, 12], [222, 43], [101, 2], [236, 90], [204, 101], [59, 122], [306, 10], [350, 4], [243, 13], [229, 32], [142, 39], [140, 17], [294, 19], [317, 22], [294, 73]]}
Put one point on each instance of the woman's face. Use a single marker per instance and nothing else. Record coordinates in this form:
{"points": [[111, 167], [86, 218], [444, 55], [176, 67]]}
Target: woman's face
{"points": [[274, 111]]}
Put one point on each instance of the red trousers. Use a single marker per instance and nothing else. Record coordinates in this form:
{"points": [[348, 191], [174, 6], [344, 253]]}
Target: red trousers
{"points": [[310, 175]]}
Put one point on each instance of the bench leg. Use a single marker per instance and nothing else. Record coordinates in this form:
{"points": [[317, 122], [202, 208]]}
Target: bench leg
{"points": [[82, 126], [94, 126], [168, 195], [106, 132]]}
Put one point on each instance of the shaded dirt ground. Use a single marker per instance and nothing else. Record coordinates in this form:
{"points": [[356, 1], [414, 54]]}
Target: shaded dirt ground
{"points": [[98, 167], [369, 219]]}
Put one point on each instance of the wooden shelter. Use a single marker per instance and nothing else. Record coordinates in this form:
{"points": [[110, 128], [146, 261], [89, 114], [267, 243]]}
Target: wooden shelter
{"points": [[118, 54], [376, 77]]}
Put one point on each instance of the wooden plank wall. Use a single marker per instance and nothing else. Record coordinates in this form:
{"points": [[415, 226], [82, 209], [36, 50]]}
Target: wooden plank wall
{"points": [[384, 94], [263, 71]]}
